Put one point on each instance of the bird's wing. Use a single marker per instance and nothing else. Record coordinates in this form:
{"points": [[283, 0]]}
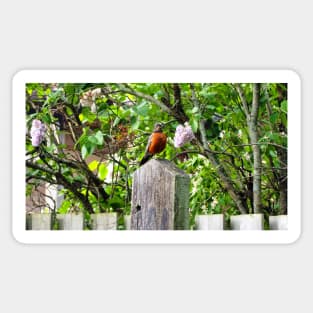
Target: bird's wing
{"points": [[148, 144]]}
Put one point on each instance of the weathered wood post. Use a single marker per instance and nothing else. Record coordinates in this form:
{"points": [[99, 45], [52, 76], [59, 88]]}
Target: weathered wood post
{"points": [[160, 197]]}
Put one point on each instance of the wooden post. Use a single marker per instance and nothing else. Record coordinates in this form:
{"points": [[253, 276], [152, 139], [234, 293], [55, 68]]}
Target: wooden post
{"points": [[160, 197]]}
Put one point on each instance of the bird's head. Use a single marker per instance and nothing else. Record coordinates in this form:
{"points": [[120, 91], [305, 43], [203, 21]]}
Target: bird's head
{"points": [[158, 127]]}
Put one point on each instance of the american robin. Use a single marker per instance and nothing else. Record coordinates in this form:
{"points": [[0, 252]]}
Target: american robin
{"points": [[156, 143]]}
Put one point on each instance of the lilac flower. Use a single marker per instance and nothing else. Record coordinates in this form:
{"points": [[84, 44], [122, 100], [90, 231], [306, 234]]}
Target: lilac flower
{"points": [[35, 141], [36, 124], [183, 135], [37, 132]]}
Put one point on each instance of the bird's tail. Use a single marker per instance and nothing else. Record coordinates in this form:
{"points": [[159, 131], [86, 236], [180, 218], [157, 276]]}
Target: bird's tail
{"points": [[146, 157]]}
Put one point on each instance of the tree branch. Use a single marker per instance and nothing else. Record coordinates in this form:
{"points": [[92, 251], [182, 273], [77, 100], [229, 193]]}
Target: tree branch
{"points": [[182, 118], [61, 180], [256, 144], [243, 101]]}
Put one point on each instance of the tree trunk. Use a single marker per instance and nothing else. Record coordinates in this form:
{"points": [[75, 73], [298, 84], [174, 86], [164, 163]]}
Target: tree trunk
{"points": [[252, 122], [254, 138], [282, 156], [257, 207], [283, 181]]}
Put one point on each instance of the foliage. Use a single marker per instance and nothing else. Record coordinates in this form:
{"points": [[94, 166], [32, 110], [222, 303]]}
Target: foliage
{"points": [[96, 133]]}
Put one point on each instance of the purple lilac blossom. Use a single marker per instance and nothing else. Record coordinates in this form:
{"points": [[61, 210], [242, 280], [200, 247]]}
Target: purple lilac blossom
{"points": [[183, 135], [37, 132]]}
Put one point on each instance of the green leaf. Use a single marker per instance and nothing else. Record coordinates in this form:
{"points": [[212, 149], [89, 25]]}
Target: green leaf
{"points": [[274, 117], [135, 122], [142, 109], [93, 140], [284, 119], [84, 151], [69, 111], [116, 121], [99, 137], [87, 149], [47, 119], [82, 118], [75, 99], [195, 110], [273, 153], [103, 171], [93, 165], [83, 138], [125, 113], [275, 137], [284, 105], [63, 209], [194, 125], [96, 139], [116, 203], [51, 148]]}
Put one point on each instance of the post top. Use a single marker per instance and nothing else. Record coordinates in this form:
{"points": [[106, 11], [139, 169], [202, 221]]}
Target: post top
{"points": [[163, 164]]}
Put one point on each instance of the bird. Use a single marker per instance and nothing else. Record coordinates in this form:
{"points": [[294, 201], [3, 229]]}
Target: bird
{"points": [[156, 143]]}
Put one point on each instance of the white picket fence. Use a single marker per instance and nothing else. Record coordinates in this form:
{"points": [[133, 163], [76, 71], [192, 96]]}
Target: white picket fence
{"points": [[241, 222], [72, 221], [108, 221]]}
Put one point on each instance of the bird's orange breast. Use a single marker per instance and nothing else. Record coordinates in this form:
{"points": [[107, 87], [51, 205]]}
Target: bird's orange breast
{"points": [[158, 143]]}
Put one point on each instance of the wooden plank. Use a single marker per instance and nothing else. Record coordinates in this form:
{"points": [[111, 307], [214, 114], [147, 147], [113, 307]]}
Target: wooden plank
{"points": [[247, 222], [104, 221], [38, 221], [279, 222], [210, 222], [71, 221]]}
